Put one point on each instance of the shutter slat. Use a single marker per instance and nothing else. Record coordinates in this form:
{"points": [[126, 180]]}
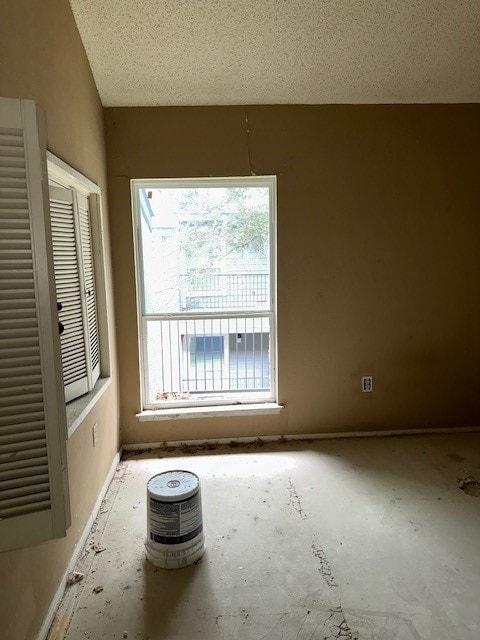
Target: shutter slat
{"points": [[20, 361], [23, 468], [8, 373], [21, 445], [15, 483], [24, 398], [17, 173], [20, 351], [70, 345], [14, 214], [22, 379], [27, 322], [19, 488], [11, 160], [25, 431], [25, 508], [13, 391], [12, 145], [20, 332], [11, 406], [10, 505], [10, 314]]}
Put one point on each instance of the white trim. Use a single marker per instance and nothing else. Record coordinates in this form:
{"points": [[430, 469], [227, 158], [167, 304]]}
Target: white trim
{"points": [[273, 290], [63, 175], [302, 436], [78, 409], [100, 272], [175, 183], [183, 413], [81, 266], [185, 316], [34, 133], [66, 176], [213, 401], [139, 288], [267, 181], [47, 621]]}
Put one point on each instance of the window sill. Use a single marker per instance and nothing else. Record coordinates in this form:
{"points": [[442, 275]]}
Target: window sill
{"points": [[78, 409], [218, 411]]}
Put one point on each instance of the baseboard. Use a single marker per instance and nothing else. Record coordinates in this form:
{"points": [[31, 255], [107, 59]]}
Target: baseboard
{"points": [[42, 634], [304, 436]]}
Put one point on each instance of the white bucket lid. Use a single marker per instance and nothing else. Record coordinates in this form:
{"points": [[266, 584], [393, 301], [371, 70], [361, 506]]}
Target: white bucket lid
{"points": [[171, 486]]}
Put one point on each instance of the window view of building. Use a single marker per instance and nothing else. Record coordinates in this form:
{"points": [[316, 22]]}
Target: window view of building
{"points": [[204, 255]]}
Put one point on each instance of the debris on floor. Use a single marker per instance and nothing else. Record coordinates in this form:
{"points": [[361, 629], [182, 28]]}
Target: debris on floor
{"points": [[97, 547], [74, 577], [169, 396], [299, 546]]}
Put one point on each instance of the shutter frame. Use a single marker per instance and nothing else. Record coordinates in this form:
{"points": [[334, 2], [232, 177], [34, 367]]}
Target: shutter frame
{"points": [[52, 521], [89, 288]]}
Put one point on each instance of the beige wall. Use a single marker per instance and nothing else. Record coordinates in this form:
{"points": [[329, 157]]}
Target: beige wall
{"points": [[42, 57], [378, 260]]}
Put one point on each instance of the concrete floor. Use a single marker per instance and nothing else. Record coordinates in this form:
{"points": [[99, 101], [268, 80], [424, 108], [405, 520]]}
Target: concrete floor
{"points": [[370, 539]]}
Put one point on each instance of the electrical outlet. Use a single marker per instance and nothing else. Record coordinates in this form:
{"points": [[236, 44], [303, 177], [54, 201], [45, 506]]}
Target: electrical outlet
{"points": [[94, 434], [367, 383]]}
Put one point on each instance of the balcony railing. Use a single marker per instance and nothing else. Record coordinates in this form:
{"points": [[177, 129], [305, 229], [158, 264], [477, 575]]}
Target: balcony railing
{"points": [[207, 355], [225, 291]]}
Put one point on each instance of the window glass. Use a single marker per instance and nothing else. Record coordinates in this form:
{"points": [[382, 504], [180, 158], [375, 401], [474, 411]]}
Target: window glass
{"points": [[205, 249]]}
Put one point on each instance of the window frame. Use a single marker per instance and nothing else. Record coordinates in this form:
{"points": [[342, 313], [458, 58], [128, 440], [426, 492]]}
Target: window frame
{"points": [[214, 399]]}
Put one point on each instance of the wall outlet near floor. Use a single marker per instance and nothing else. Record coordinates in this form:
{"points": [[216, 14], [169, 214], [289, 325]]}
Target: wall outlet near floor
{"points": [[367, 383], [94, 434]]}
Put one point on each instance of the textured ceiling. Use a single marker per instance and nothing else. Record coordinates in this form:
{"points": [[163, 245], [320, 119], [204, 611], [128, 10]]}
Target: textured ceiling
{"points": [[196, 52]]}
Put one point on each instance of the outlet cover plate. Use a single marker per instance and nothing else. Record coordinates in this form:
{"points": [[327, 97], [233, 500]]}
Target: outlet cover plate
{"points": [[367, 384]]}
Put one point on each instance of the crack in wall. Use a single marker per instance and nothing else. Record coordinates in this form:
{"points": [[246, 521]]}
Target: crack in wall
{"points": [[324, 567], [249, 152]]}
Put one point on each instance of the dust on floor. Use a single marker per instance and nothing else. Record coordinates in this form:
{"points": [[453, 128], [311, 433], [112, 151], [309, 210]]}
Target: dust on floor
{"points": [[357, 539]]}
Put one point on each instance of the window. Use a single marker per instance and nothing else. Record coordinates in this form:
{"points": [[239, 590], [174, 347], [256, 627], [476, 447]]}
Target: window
{"points": [[205, 255]]}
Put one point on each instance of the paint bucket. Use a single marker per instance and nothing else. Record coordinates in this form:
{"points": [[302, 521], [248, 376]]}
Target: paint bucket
{"points": [[174, 520]]}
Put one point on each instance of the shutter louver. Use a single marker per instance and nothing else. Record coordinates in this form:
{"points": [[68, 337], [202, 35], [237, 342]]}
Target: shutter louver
{"points": [[32, 416], [68, 287], [89, 283]]}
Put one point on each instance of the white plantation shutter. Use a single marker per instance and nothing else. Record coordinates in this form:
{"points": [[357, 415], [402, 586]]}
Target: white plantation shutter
{"points": [[89, 287], [69, 292], [75, 286], [33, 482]]}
